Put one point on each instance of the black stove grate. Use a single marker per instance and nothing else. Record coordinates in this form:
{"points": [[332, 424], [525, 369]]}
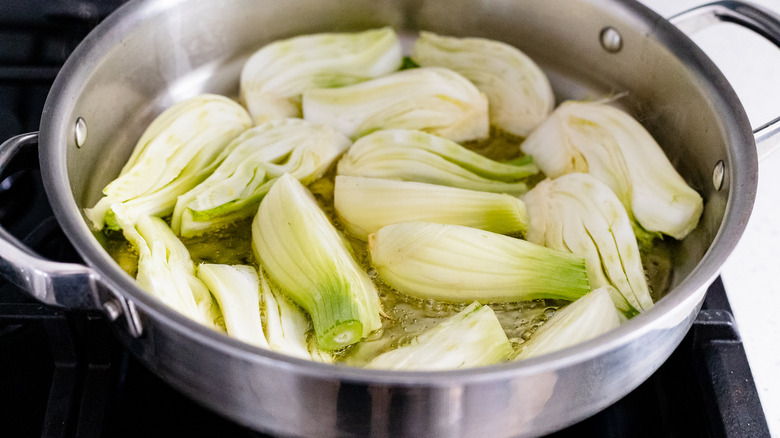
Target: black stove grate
{"points": [[64, 374]]}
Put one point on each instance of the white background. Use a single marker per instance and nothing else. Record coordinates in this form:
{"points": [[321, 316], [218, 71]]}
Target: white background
{"points": [[752, 273]]}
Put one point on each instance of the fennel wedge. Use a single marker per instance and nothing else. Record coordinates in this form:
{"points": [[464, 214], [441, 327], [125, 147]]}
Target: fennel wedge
{"points": [[599, 139], [519, 94], [274, 78], [473, 337], [365, 205], [305, 256], [580, 214], [592, 315], [453, 263], [410, 155], [435, 100], [166, 271], [178, 150], [253, 162], [237, 290]]}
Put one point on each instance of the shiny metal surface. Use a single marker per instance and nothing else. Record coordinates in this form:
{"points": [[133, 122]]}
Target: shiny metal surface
{"points": [[69, 285], [152, 53], [80, 132], [61, 284], [756, 18], [718, 174], [611, 40], [768, 138]]}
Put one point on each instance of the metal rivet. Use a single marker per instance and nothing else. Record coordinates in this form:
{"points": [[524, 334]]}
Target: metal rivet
{"points": [[611, 40], [717, 175], [80, 132], [113, 309]]}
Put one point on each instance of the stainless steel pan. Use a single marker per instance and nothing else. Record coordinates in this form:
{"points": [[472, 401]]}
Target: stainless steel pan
{"points": [[151, 53]]}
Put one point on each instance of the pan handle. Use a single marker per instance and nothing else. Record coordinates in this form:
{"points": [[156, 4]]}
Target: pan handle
{"points": [[69, 285], [756, 18]]}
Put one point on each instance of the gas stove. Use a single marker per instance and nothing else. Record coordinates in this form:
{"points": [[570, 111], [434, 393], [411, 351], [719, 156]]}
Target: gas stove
{"points": [[64, 373]]}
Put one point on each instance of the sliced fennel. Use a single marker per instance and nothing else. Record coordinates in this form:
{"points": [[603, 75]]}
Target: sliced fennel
{"points": [[166, 271], [454, 263], [410, 155], [365, 205], [176, 152], [578, 213], [596, 138], [305, 256], [237, 290], [471, 338], [584, 319], [274, 78], [287, 327], [519, 94], [255, 160], [432, 99]]}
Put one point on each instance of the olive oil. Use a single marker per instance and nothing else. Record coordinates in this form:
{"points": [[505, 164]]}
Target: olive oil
{"points": [[404, 317]]}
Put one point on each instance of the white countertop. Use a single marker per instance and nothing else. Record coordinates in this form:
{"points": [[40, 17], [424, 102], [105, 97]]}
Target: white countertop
{"points": [[752, 273]]}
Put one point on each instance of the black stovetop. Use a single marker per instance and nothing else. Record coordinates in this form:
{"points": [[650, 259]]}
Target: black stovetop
{"points": [[63, 373]]}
